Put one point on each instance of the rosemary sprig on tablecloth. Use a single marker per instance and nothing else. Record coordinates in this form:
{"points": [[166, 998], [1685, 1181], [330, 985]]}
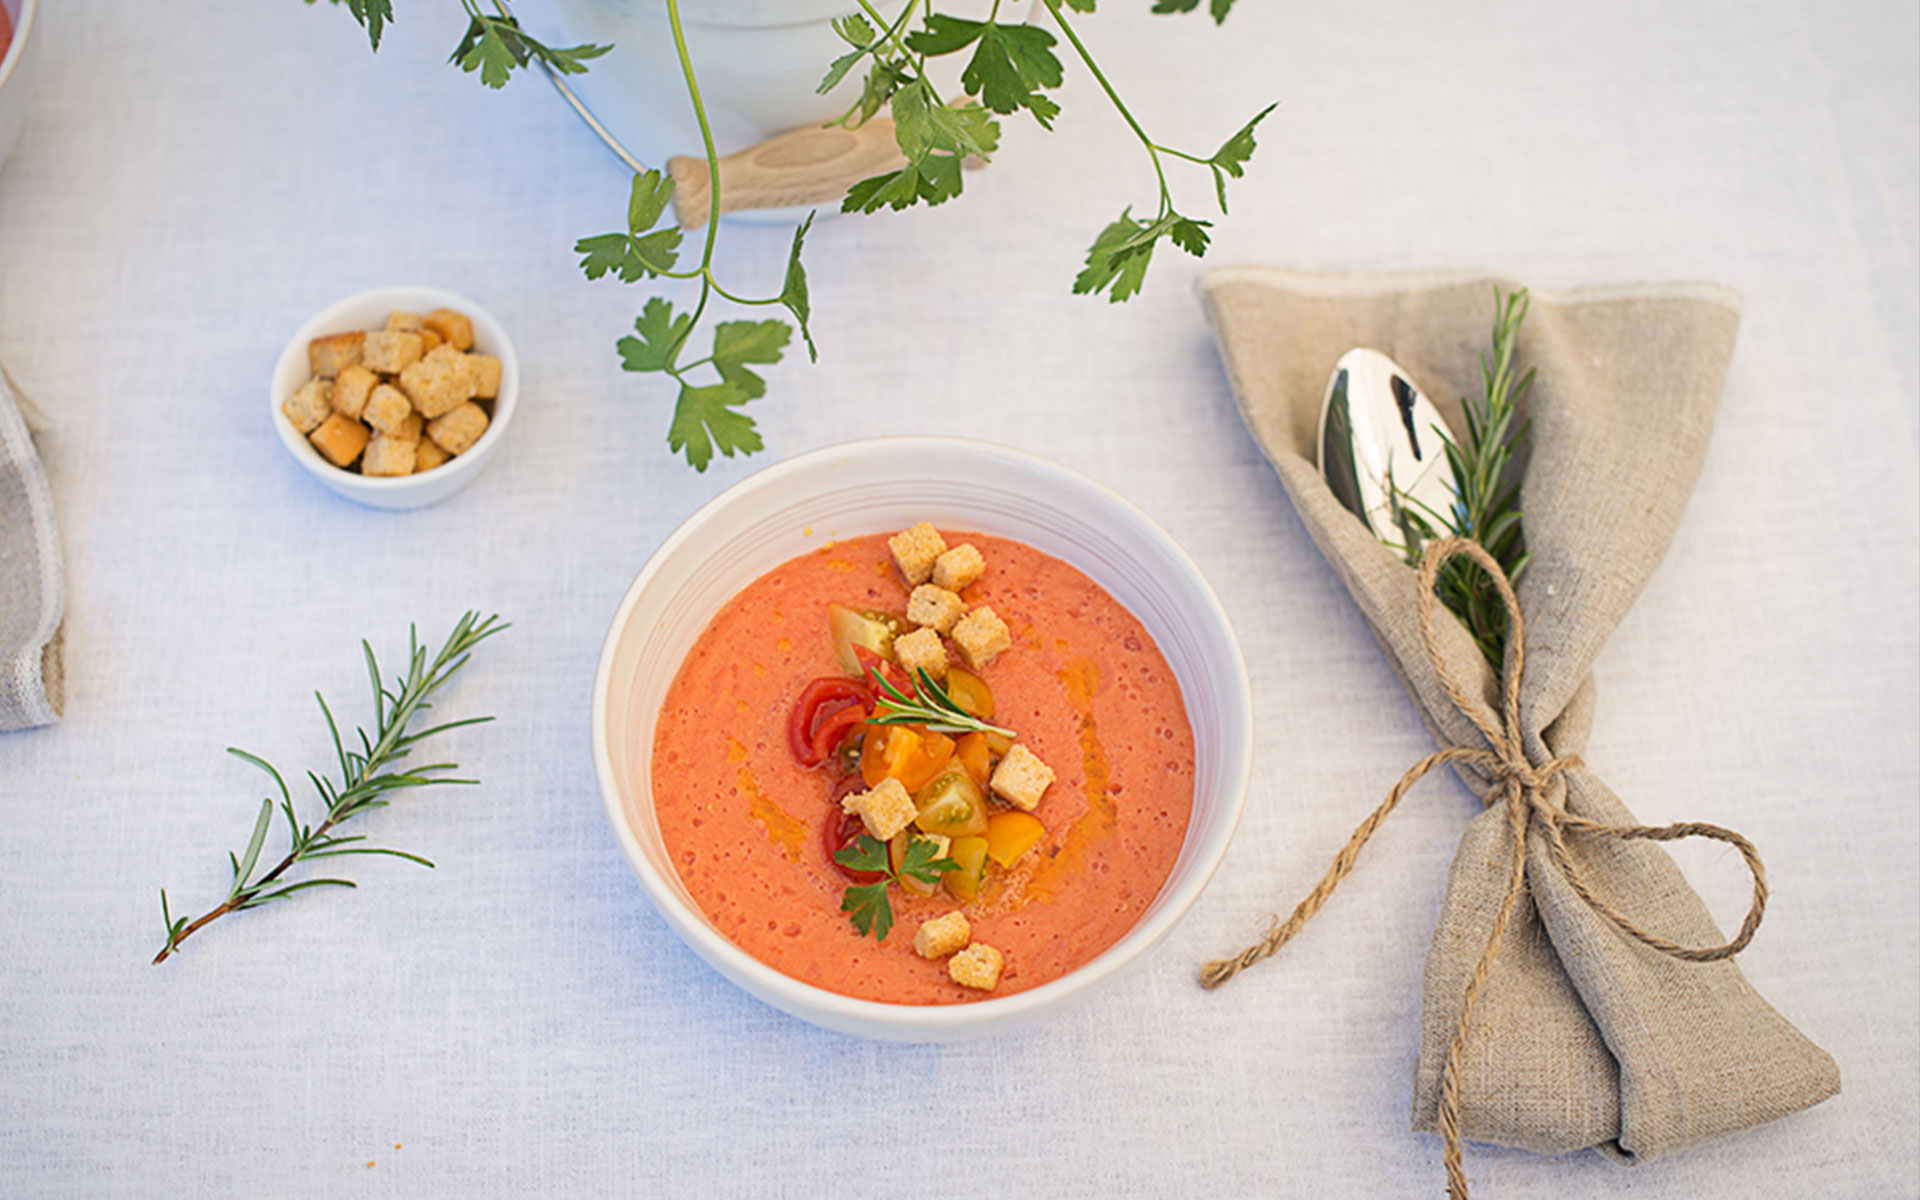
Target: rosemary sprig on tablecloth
{"points": [[1486, 502], [366, 777]]}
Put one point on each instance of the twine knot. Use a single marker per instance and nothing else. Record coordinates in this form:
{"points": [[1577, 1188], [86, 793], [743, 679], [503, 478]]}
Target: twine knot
{"points": [[1528, 789]]}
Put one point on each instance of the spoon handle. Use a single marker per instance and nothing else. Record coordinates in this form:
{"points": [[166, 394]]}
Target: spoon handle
{"points": [[809, 165]]}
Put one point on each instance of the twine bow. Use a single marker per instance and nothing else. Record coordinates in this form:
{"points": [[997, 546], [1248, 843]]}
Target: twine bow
{"points": [[1527, 789]]}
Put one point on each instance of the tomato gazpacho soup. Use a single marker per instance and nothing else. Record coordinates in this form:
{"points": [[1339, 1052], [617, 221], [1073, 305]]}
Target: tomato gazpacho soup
{"points": [[924, 769]]}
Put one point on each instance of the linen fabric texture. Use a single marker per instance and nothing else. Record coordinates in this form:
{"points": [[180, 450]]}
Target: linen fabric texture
{"points": [[32, 584], [1582, 1036]]}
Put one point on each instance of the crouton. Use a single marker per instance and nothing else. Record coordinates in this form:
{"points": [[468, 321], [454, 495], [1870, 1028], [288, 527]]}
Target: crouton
{"points": [[428, 455], [410, 322], [921, 650], [981, 636], [458, 430], [430, 341], [388, 456], [942, 935], [884, 810], [438, 383], [958, 567], [328, 356], [351, 388], [310, 404], [485, 370], [978, 966], [1021, 778], [390, 351], [387, 409], [412, 429], [914, 551], [340, 439], [453, 326], [935, 607]]}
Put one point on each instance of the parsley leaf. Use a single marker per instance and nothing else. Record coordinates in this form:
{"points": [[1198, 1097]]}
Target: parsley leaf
{"points": [[793, 292], [868, 905], [935, 179], [944, 35], [704, 420], [737, 343], [651, 193], [921, 125], [485, 50], [636, 254], [1009, 67], [924, 861], [1118, 258], [869, 909], [494, 46], [633, 257], [854, 31], [373, 15], [660, 336], [1231, 158], [1190, 236], [1218, 9]]}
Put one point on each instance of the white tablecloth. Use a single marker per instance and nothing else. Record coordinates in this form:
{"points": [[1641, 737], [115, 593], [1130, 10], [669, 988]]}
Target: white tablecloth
{"points": [[194, 181]]}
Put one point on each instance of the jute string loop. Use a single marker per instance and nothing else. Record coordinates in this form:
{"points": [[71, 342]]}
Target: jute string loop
{"points": [[1528, 790]]}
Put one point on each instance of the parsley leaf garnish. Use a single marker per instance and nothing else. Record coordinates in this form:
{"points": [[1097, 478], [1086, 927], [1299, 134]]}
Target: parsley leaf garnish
{"points": [[704, 418], [868, 904], [1231, 158], [494, 46]]}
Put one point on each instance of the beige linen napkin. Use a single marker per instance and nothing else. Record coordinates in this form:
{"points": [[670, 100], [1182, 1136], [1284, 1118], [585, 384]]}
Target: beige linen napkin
{"points": [[1582, 1036], [32, 675]]}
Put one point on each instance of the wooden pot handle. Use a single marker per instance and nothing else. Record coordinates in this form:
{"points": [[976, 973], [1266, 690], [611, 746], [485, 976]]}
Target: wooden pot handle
{"points": [[806, 166]]}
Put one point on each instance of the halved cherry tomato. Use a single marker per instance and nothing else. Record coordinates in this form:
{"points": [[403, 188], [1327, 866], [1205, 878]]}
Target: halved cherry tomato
{"points": [[871, 662], [834, 729], [975, 757], [821, 698], [904, 752], [970, 692], [842, 831]]}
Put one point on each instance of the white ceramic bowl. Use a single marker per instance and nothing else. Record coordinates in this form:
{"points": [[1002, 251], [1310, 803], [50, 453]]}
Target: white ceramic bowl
{"points": [[18, 67], [880, 486], [368, 310]]}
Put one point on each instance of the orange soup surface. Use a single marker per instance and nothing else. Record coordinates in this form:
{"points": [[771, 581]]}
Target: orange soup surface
{"points": [[1083, 685]]}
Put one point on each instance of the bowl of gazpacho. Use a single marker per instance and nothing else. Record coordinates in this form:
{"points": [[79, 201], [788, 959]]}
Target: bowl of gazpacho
{"points": [[919, 738]]}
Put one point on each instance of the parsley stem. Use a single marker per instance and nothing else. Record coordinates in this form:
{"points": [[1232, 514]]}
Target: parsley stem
{"points": [[713, 181], [1153, 151]]}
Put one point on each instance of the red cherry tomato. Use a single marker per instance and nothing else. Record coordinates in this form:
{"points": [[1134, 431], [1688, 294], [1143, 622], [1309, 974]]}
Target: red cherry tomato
{"points": [[821, 699], [842, 830], [871, 662], [834, 729]]}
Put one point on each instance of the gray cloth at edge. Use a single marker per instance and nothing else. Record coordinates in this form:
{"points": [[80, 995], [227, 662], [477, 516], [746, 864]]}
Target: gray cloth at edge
{"points": [[32, 586]]}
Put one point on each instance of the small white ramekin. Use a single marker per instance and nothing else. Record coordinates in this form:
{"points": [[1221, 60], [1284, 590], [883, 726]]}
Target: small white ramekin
{"points": [[368, 310], [880, 486]]}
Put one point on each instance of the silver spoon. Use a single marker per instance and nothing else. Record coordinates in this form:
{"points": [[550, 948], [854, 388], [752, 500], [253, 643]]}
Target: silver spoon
{"points": [[1380, 448]]}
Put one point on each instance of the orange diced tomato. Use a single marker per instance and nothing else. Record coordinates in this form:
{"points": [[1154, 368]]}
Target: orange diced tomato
{"points": [[1012, 834], [974, 757], [910, 754]]}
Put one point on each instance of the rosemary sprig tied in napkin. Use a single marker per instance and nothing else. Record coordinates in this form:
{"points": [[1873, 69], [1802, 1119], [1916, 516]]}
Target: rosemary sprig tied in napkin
{"points": [[1577, 992]]}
